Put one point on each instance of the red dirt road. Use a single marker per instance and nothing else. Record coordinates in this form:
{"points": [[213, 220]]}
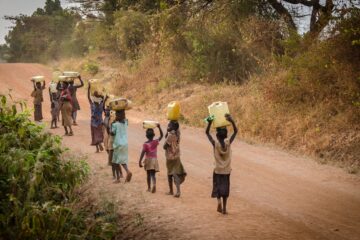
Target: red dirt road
{"points": [[274, 195]]}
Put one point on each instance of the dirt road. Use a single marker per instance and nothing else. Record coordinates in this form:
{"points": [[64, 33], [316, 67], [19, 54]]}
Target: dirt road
{"points": [[274, 195]]}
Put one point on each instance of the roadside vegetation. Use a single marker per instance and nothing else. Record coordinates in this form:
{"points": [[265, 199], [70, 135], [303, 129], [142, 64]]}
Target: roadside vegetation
{"points": [[42, 193], [297, 91]]}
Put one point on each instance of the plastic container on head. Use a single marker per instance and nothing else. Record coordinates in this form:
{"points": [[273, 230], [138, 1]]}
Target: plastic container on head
{"points": [[120, 104], [218, 110], [173, 110], [71, 74], [64, 79], [150, 124], [38, 79]]}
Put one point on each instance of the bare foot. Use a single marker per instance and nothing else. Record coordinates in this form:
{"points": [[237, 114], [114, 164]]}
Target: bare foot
{"points": [[169, 193], [117, 181], [224, 212], [219, 208], [177, 195], [153, 190], [128, 177], [101, 147]]}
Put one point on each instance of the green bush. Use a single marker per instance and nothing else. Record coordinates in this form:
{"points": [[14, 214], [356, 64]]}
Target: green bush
{"points": [[38, 197], [130, 30], [91, 67]]}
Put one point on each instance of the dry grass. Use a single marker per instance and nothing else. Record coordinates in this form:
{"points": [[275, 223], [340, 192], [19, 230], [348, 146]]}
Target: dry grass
{"points": [[264, 111]]}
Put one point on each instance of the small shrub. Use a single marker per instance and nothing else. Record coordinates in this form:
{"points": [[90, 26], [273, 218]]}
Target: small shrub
{"points": [[38, 185], [91, 67]]}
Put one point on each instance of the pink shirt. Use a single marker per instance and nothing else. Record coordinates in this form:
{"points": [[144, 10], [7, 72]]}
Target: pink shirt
{"points": [[150, 149]]}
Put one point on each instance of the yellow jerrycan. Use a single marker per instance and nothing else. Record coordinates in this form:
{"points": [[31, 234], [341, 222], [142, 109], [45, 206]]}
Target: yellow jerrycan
{"points": [[219, 110], [173, 110], [150, 124]]}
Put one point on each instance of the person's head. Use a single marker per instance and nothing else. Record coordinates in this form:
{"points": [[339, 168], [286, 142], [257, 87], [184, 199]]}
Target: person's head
{"points": [[221, 133], [38, 85], [71, 82], [65, 85], [173, 126], [150, 134], [120, 115]]}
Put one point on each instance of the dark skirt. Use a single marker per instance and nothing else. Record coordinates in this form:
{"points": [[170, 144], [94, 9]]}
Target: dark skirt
{"points": [[221, 185], [97, 135], [38, 112]]}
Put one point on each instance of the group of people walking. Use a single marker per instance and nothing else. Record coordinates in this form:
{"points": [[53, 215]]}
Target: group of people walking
{"points": [[110, 133]]}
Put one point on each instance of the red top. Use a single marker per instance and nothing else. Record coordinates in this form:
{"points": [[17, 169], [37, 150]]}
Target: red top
{"points": [[150, 149], [65, 95]]}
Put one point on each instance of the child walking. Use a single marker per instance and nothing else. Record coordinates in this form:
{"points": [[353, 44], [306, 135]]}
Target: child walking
{"points": [[120, 145], [151, 164], [222, 155], [108, 138], [54, 114], [175, 169], [97, 135], [37, 94]]}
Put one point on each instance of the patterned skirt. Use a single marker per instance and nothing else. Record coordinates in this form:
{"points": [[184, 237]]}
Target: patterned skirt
{"points": [[97, 135]]}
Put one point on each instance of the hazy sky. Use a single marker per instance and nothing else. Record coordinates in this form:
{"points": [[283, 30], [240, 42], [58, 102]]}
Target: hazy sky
{"points": [[15, 7]]}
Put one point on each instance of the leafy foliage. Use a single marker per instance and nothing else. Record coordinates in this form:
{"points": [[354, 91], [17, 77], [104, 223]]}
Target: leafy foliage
{"points": [[42, 36], [38, 197]]}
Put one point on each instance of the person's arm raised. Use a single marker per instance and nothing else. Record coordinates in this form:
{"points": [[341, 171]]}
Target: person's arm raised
{"points": [[88, 95], [229, 118], [161, 132], [208, 134], [81, 82]]}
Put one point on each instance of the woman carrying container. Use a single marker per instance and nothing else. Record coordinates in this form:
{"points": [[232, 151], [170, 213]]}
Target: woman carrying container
{"points": [[66, 108], [75, 103], [37, 94]]}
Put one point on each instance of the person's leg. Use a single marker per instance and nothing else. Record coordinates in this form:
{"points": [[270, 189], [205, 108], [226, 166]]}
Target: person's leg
{"points": [[55, 121], [66, 131], [97, 148], [128, 173], [71, 131], [177, 184], [113, 170], [219, 207], [153, 178], [110, 153], [101, 148], [170, 181], [148, 179], [224, 205]]}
